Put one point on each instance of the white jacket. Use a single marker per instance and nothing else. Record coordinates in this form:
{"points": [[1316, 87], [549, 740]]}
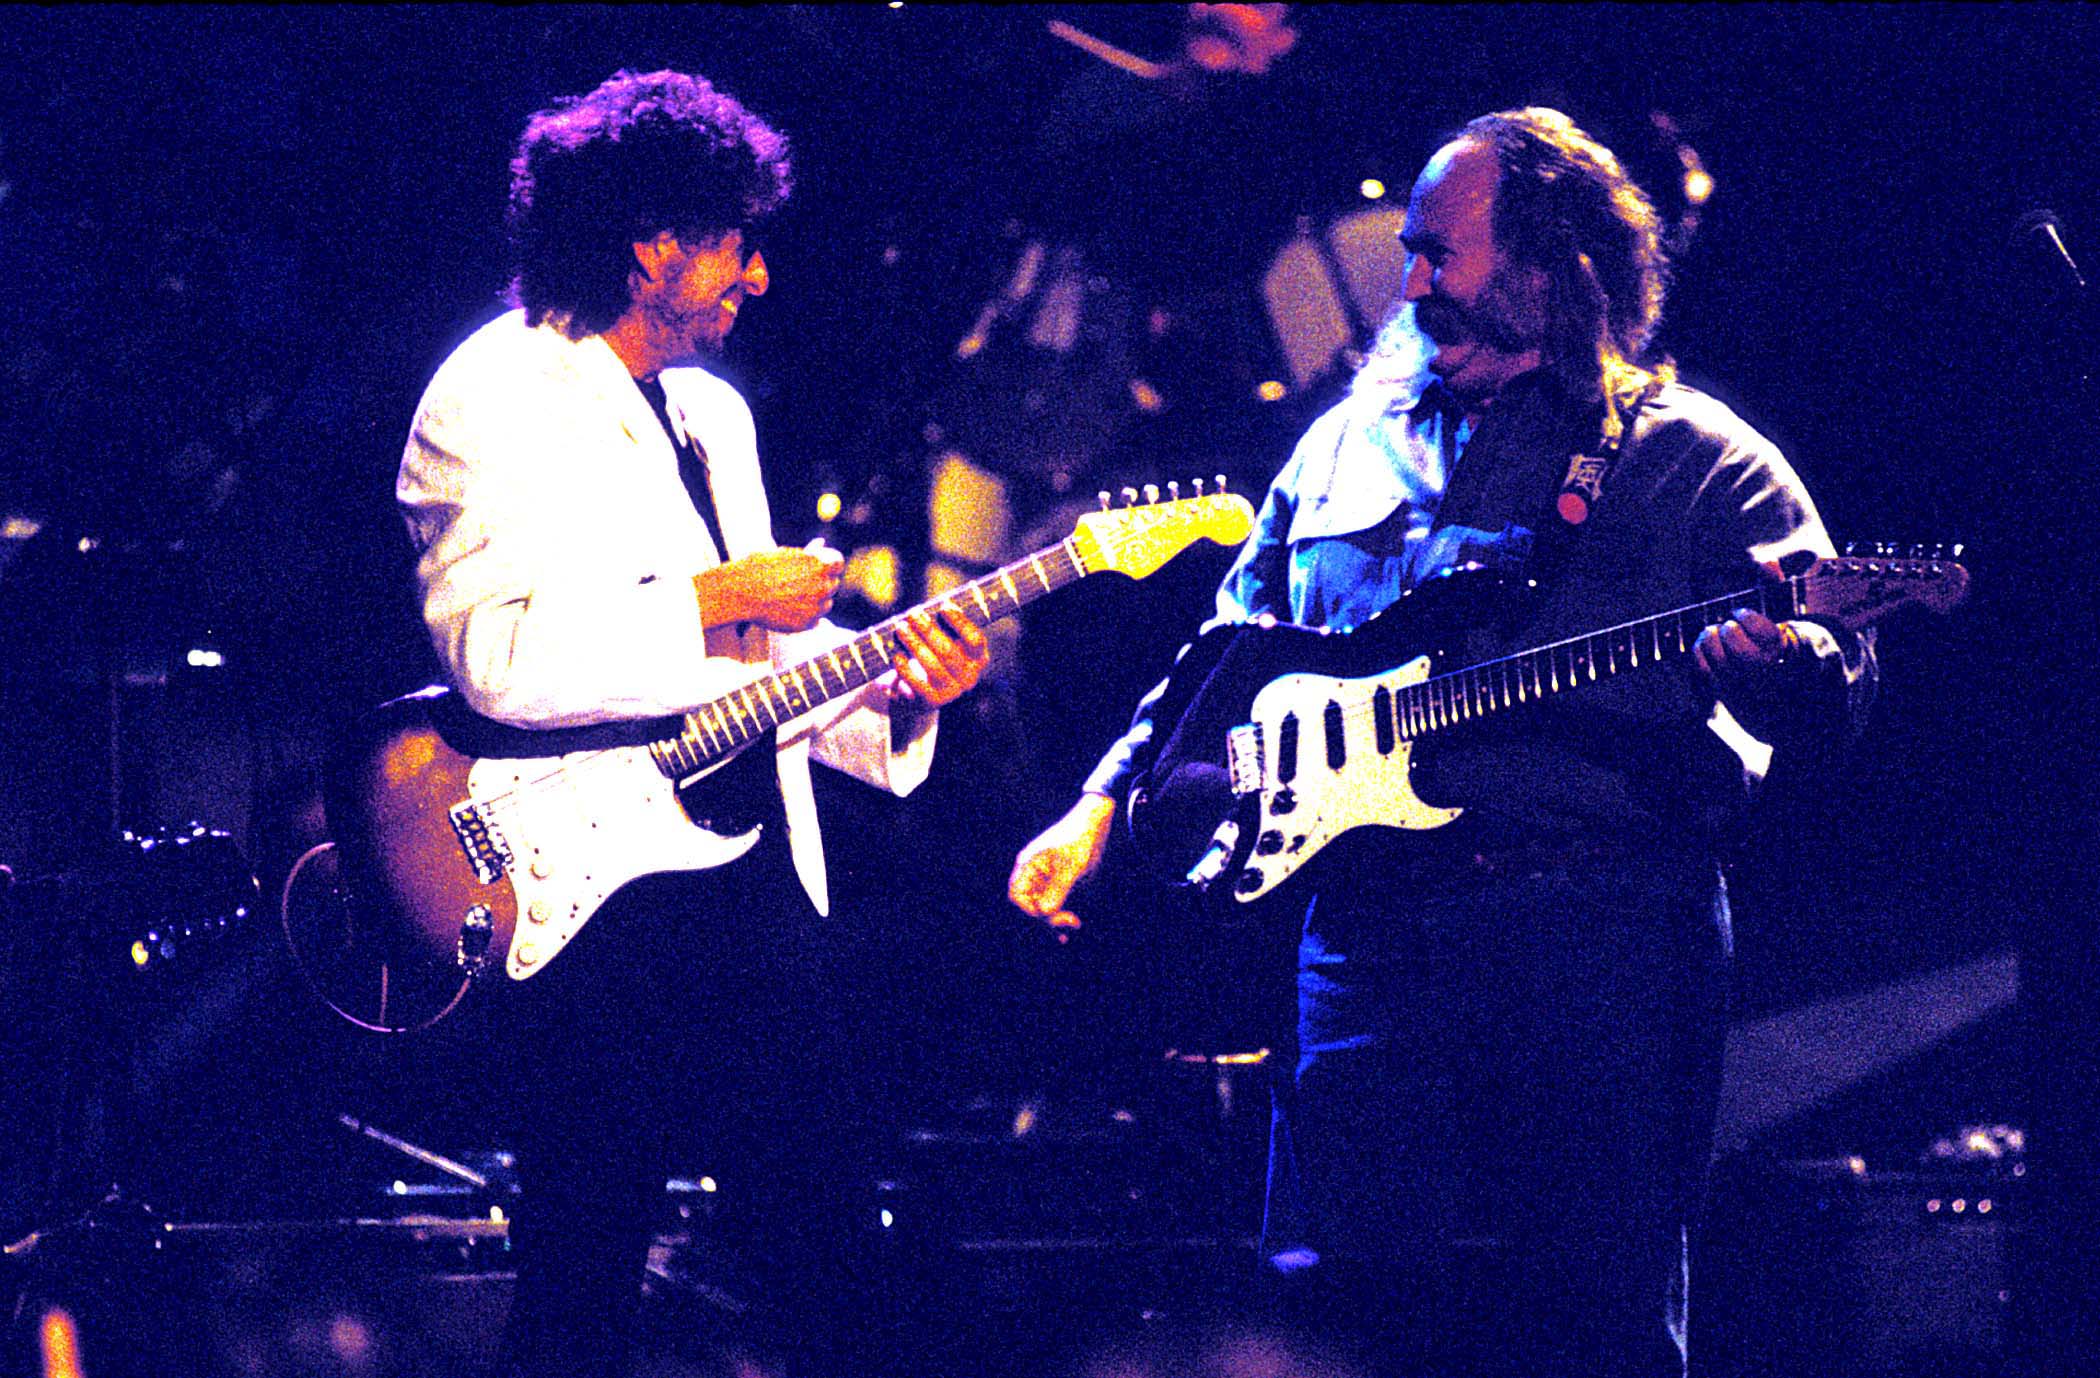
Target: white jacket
{"points": [[558, 548]]}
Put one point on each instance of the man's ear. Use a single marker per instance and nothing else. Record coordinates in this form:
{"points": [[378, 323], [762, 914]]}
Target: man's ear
{"points": [[651, 255]]}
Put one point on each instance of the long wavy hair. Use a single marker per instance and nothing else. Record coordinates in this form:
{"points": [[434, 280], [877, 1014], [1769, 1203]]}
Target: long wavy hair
{"points": [[644, 153], [1566, 207]]}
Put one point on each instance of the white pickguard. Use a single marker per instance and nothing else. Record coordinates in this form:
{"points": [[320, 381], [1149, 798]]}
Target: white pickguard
{"points": [[1320, 802], [581, 826]]}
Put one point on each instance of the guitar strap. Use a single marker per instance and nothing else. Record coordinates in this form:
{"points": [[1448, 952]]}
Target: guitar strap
{"points": [[692, 465], [1582, 487]]}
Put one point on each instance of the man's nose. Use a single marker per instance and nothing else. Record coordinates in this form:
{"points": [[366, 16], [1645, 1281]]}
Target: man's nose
{"points": [[756, 279], [1418, 279]]}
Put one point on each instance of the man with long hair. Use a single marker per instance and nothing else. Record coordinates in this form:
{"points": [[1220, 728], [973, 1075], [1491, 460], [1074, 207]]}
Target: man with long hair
{"points": [[597, 552], [1494, 1130]]}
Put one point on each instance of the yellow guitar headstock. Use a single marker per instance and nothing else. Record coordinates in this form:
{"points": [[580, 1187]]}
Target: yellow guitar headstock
{"points": [[1146, 532]]}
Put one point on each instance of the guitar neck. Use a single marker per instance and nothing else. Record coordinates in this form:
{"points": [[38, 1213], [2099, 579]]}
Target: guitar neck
{"points": [[1496, 686], [714, 730]]}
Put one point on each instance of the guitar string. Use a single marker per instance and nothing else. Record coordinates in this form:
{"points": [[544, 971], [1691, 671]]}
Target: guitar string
{"points": [[1122, 541], [1119, 541], [1458, 704]]}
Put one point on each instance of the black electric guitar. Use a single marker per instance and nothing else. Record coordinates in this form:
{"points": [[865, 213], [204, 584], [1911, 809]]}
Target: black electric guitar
{"points": [[1285, 737], [460, 846]]}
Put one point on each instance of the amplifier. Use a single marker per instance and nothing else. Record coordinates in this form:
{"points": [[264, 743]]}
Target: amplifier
{"points": [[1824, 1269]]}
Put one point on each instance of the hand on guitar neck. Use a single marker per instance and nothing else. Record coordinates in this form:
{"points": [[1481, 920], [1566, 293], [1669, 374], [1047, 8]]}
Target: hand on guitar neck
{"points": [[1763, 669], [787, 590]]}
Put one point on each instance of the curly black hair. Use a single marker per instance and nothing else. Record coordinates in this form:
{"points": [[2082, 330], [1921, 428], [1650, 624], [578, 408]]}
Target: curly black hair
{"points": [[642, 154]]}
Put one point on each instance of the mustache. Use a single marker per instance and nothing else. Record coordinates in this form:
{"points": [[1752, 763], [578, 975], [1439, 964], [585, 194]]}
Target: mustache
{"points": [[1442, 322], [1447, 323]]}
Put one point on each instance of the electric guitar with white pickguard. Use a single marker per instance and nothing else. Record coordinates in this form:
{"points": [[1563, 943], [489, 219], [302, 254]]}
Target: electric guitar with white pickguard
{"points": [[1297, 736]]}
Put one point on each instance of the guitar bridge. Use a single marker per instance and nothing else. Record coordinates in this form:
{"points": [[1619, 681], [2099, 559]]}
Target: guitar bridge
{"points": [[481, 840], [1243, 758]]}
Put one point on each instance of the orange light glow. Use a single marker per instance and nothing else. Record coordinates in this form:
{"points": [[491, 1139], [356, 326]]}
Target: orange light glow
{"points": [[1271, 390], [59, 1338], [410, 757]]}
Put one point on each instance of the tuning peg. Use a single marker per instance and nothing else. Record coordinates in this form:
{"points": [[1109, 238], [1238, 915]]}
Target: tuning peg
{"points": [[1198, 484], [1174, 490], [1151, 492], [1130, 497], [1220, 481], [1105, 500]]}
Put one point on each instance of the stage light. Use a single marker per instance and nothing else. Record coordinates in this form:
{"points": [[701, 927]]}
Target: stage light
{"points": [[19, 528], [350, 1339], [140, 954], [828, 506], [1146, 396], [1271, 390], [1698, 186], [58, 1335], [88, 545], [886, 1218], [202, 658], [1372, 188], [708, 1184], [873, 572]]}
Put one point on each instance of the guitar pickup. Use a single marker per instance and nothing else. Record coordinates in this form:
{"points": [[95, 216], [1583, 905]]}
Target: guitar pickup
{"points": [[1243, 763], [481, 840]]}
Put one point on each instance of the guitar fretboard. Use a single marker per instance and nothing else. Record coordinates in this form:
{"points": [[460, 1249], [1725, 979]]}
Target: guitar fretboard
{"points": [[740, 717], [1496, 686]]}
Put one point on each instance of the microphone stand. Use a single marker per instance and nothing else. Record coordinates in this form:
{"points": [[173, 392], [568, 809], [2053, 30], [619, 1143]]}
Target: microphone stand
{"points": [[2055, 1322]]}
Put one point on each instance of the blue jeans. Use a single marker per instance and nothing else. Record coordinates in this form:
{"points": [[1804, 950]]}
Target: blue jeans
{"points": [[1502, 1110]]}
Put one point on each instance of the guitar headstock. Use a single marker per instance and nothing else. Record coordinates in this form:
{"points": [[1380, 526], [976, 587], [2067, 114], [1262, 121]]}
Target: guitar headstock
{"points": [[1140, 536], [1866, 583]]}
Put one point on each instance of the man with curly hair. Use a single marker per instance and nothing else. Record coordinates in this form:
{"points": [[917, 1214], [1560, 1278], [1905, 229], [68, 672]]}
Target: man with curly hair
{"points": [[1493, 1135], [596, 553]]}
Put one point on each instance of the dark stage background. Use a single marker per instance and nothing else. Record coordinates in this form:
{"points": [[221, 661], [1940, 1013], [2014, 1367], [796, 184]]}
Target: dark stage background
{"points": [[235, 242]]}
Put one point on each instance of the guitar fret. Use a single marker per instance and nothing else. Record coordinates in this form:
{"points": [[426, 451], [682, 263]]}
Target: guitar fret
{"points": [[1135, 543], [824, 686]]}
